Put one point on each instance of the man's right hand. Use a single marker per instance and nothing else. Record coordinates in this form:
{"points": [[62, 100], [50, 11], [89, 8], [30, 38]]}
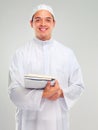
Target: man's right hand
{"points": [[52, 92]]}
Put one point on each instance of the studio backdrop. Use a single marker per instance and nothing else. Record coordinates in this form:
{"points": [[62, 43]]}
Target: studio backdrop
{"points": [[77, 28]]}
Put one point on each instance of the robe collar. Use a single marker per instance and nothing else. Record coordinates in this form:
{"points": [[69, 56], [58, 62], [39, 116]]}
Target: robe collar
{"points": [[47, 42]]}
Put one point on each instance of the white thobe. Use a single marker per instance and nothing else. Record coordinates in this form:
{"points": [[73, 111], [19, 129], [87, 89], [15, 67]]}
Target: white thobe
{"points": [[49, 58]]}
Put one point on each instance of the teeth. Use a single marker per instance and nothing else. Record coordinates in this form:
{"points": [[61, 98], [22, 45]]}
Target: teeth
{"points": [[42, 29]]}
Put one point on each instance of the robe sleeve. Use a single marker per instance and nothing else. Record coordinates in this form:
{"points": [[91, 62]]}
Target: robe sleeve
{"points": [[75, 83], [23, 98]]}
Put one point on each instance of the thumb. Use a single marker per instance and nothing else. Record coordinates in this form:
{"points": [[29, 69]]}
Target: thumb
{"points": [[56, 82], [48, 85]]}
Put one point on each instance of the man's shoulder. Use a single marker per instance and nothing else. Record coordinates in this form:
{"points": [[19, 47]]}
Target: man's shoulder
{"points": [[25, 47], [62, 47]]}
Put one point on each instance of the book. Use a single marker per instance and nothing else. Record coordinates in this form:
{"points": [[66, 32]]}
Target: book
{"points": [[35, 81]]}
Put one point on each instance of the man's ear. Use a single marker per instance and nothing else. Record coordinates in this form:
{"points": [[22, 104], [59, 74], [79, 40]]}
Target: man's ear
{"points": [[31, 23], [54, 23]]}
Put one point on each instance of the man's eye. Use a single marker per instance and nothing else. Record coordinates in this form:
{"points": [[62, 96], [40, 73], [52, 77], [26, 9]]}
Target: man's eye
{"points": [[37, 20], [48, 20]]}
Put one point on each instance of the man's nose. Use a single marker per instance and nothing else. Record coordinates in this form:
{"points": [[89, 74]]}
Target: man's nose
{"points": [[43, 22]]}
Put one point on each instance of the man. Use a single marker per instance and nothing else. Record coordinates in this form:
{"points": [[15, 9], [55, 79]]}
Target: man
{"points": [[44, 109]]}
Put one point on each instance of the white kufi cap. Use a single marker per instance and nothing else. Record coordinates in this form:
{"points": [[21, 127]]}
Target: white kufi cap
{"points": [[43, 7]]}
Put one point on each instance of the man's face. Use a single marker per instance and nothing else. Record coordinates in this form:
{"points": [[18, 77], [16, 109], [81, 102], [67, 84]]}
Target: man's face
{"points": [[43, 24]]}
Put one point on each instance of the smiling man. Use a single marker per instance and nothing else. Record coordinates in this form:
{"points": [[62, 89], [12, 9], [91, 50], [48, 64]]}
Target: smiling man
{"points": [[43, 23], [44, 109]]}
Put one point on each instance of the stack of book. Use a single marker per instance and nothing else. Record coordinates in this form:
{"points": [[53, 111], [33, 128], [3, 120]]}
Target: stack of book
{"points": [[35, 81]]}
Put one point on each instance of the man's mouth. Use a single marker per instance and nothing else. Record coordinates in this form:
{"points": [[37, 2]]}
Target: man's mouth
{"points": [[43, 29]]}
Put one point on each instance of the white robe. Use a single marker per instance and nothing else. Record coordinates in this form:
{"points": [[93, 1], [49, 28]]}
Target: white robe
{"points": [[48, 58]]}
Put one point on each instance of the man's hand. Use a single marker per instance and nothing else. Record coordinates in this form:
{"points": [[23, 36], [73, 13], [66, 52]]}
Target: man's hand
{"points": [[52, 92]]}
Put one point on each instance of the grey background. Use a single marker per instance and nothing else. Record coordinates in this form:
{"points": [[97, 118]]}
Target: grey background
{"points": [[77, 28]]}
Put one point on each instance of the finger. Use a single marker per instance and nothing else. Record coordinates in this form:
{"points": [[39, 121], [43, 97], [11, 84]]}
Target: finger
{"points": [[56, 82], [56, 86], [48, 85], [54, 97]]}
